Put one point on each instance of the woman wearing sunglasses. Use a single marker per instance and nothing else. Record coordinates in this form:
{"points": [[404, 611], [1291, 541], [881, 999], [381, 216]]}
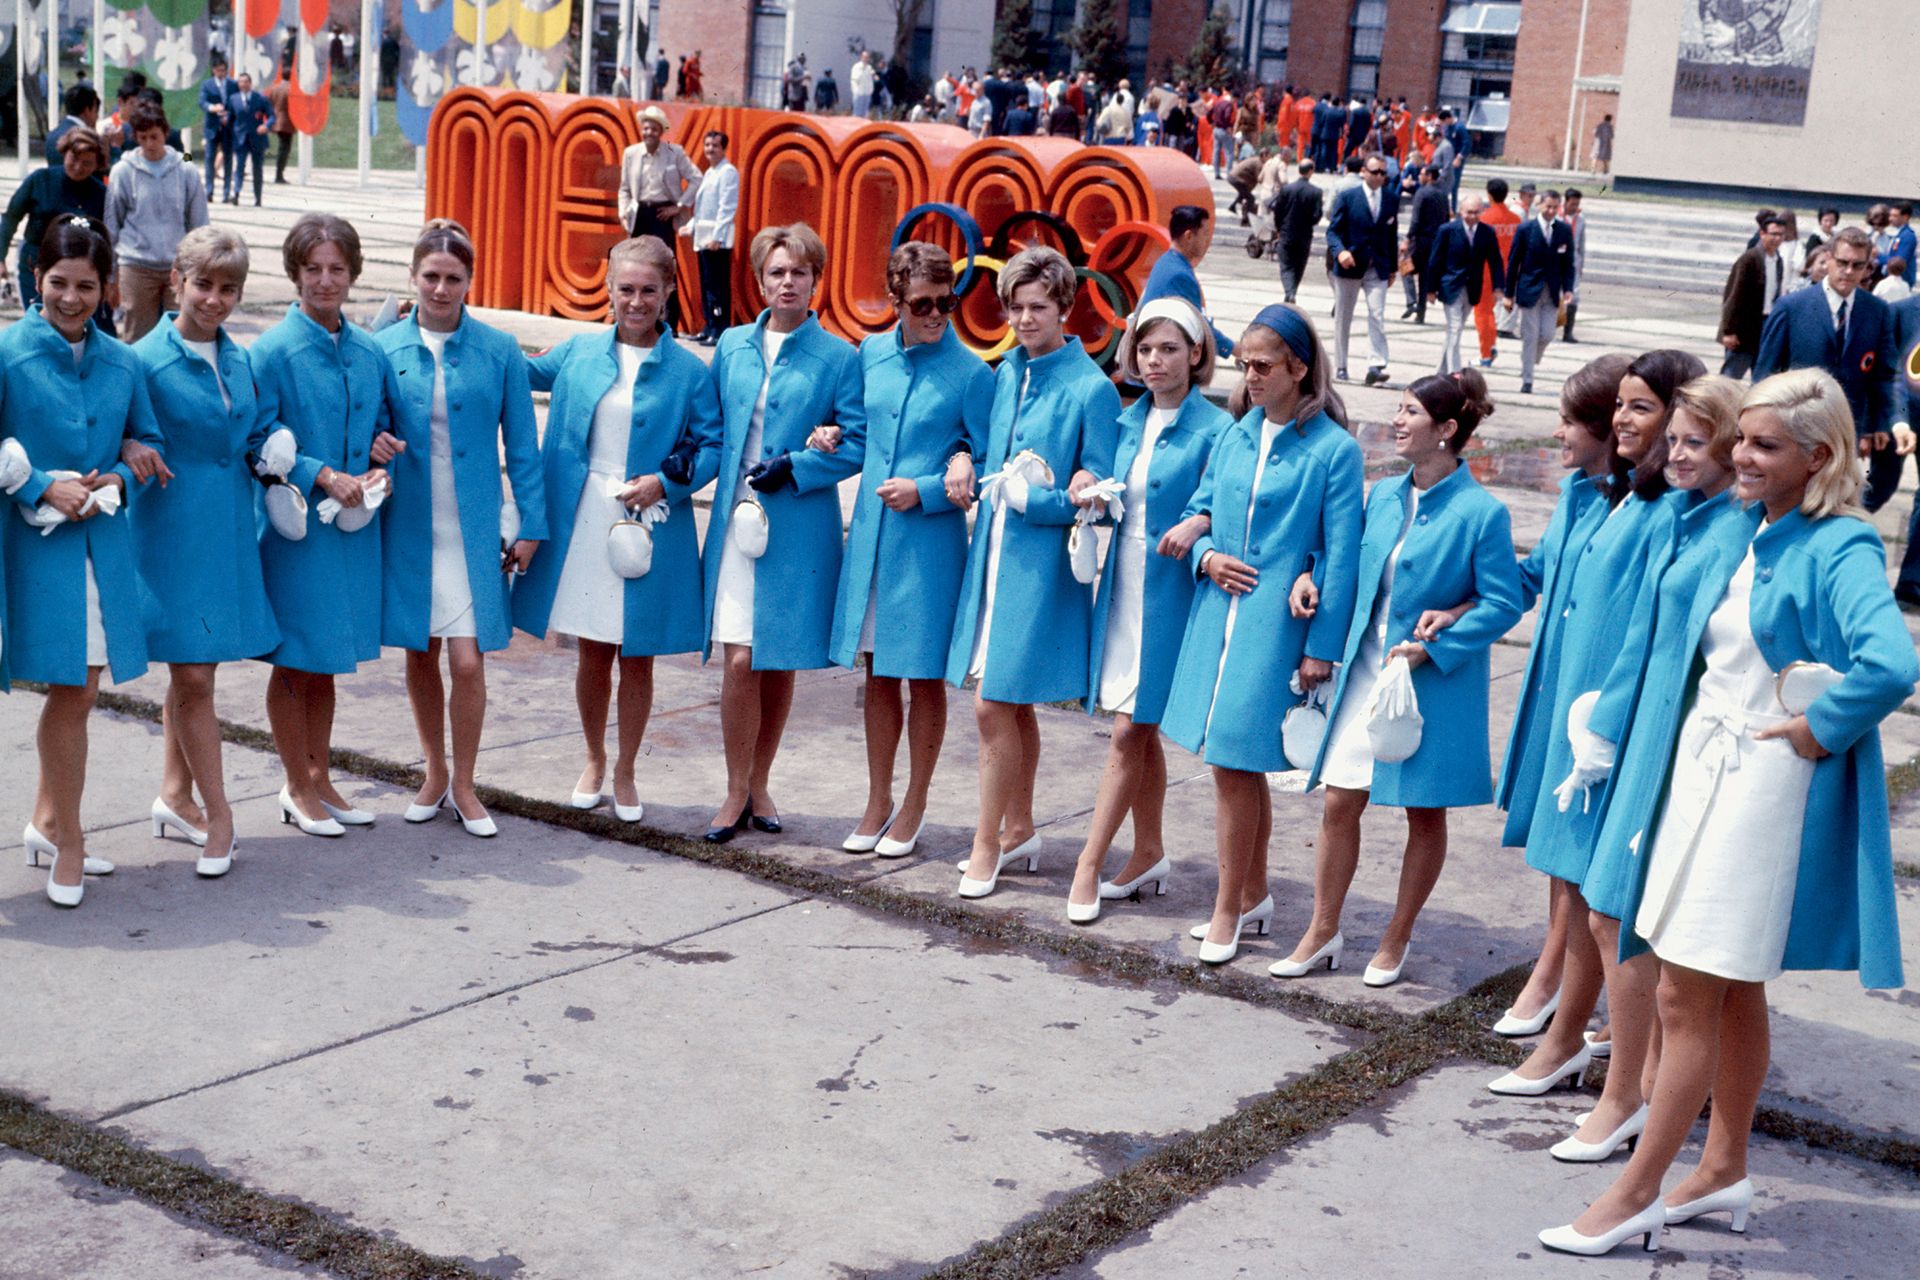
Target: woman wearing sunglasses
{"points": [[1024, 621], [1146, 589], [928, 399], [1282, 490]]}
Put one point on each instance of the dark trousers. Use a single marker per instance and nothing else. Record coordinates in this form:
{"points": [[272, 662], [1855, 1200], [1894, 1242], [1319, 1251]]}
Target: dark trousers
{"points": [[1738, 364], [1293, 265], [716, 288], [656, 220], [1883, 477], [1909, 578], [217, 146], [280, 161], [254, 149]]}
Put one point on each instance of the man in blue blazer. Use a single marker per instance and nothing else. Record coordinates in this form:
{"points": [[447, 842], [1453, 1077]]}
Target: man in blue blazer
{"points": [[1845, 330], [1465, 254], [1462, 144], [1903, 247], [1364, 241], [1539, 273], [1191, 229], [83, 107], [1906, 354], [216, 92]]}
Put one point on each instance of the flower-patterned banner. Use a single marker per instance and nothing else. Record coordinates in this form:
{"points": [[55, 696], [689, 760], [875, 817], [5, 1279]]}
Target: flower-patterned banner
{"points": [[525, 48], [167, 39]]}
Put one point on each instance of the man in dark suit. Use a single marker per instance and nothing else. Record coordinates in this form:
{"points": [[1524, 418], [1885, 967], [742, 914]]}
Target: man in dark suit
{"points": [[83, 107], [1429, 215], [215, 127], [1845, 330], [1906, 354], [1466, 255], [1753, 286], [1539, 272], [1296, 212], [1320, 110], [1363, 239], [1358, 119]]}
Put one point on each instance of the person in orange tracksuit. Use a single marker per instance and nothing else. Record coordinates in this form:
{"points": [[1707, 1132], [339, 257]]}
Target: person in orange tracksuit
{"points": [[1505, 223], [1403, 130], [1423, 133], [1283, 120], [1303, 123]]}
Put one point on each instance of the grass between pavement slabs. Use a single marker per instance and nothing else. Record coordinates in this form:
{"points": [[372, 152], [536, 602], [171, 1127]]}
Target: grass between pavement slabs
{"points": [[1400, 1049]]}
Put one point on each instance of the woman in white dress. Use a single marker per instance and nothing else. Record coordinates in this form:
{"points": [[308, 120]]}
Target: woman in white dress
{"points": [[1770, 849]]}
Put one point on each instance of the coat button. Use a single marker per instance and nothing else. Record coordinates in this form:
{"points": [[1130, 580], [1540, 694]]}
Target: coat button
{"points": [[1766, 574], [772, 405], [355, 455], [1253, 551], [1266, 502], [767, 452], [459, 453], [455, 406], [225, 461], [359, 405], [1153, 484], [1423, 519], [454, 361], [1159, 444]]}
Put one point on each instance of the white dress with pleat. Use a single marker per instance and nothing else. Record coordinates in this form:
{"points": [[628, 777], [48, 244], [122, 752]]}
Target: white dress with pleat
{"points": [[733, 594], [1120, 646], [1269, 432], [451, 611], [591, 600], [96, 626], [1349, 761]]}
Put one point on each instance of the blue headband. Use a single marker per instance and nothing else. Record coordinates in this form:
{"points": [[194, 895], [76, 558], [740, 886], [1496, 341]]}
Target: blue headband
{"points": [[1294, 329]]}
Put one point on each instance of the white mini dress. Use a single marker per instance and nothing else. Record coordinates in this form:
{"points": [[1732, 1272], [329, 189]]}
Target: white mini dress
{"points": [[591, 600], [733, 594], [1349, 761], [451, 610], [1120, 648]]}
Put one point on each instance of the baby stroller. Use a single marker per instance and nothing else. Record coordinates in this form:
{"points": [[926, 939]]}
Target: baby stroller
{"points": [[1262, 231]]}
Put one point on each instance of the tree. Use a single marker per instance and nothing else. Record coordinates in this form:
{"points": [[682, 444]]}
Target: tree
{"points": [[1100, 40], [1015, 43], [1212, 60]]}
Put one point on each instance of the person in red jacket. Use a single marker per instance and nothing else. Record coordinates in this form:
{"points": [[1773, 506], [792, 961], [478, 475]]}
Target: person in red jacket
{"points": [[1505, 222]]}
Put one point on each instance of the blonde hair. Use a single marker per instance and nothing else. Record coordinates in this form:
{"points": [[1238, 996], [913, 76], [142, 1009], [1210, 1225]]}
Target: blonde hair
{"points": [[645, 251], [1202, 373], [1713, 402], [1043, 266], [798, 239], [1812, 409], [214, 251]]}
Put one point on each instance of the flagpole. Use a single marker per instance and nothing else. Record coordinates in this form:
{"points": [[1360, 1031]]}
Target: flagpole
{"points": [[369, 88]]}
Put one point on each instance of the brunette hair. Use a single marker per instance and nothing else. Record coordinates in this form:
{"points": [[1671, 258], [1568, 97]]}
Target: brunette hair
{"points": [[314, 230], [1663, 370], [81, 138], [444, 235], [917, 260], [1589, 396], [1199, 374], [1460, 398], [71, 235], [144, 115]]}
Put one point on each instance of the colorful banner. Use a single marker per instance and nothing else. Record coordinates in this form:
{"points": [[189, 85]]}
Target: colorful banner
{"points": [[525, 48], [1745, 60], [168, 40]]}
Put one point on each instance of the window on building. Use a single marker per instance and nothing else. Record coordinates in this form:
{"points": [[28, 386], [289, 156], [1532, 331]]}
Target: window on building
{"points": [[921, 59], [1369, 38], [1267, 33], [1476, 68], [769, 71], [1053, 20], [1139, 30]]}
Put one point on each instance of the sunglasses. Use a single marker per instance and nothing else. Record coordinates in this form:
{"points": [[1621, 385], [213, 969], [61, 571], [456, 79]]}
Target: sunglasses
{"points": [[924, 307], [1377, 172], [1257, 367]]}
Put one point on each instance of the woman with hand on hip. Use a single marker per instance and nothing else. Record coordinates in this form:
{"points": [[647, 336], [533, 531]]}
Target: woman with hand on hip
{"points": [[69, 398], [1283, 489], [927, 403], [772, 556], [463, 390], [1767, 840], [1434, 539], [1166, 437], [1024, 626], [198, 545], [631, 430], [328, 382], [1585, 433]]}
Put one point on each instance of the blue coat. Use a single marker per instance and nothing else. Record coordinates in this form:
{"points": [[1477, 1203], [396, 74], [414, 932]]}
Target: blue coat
{"points": [[1539, 265], [488, 402], [1173, 277], [924, 404], [71, 418], [1374, 243], [1612, 567], [1459, 547], [816, 380], [216, 91], [198, 547], [673, 399], [1063, 408], [1906, 333], [1307, 511], [335, 397], [246, 112], [1546, 575], [1819, 595], [1179, 460], [1457, 258], [1798, 334]]}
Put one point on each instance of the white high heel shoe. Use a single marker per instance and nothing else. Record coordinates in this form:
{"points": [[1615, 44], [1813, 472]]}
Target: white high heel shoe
{"points": [[1157, 873], [1513, 1026], [1082, 912], [1601, 1048], [857, 843], [38, 844], [65, 895], [290, 812], [1301, 968], [349, 816], [888, 847], [163, 817], [1736, 1199], [1375, 977], [1515, 1085], [427, 812], [625, 812], [484, 826], [1030, 851], [211, 868], [1648, 1222], [1217, 953], [1574, 1151], [1030, 845], [1258, 918], [587, 799]]}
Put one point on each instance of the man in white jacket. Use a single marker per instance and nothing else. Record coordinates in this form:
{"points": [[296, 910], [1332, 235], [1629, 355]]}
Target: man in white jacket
{"points": [[860, 84], [153, 199], [714, 208]]}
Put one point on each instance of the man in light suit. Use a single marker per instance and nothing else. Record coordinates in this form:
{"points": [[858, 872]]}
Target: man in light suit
{"points": [[715, 205], [1363, 239], [1577, 224], [1539, 273], [1191, 230], [1296, 212], [1466, 256], [1753, 286], [1845, 330]]}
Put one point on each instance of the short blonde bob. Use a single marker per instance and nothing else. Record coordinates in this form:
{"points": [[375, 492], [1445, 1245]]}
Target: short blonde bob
{"points": [[1812, 409], [1209, 357], [1042, 266], [1714, 403], [212, 251], [798, 239]]}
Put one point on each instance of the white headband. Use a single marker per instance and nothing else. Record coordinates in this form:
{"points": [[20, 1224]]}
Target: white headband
{"points": [[1181, 313]]}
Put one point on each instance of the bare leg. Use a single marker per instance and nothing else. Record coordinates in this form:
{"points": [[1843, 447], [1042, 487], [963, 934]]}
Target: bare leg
{"points": [[196, 730], [776, 701], [1002, 764], [1745, 1050], [288, 712], [320, 704], [926, 732], [428, 698], [1544, 980], [636, 706], [885, 721], [1120, 786], [1149, 809], [1337, 856], [176, 774], [1019, 826], [1419, 872], [468, 713], [592, 691], [1579, 992], [1630, 999], [62, 740], [1650, 1069], [739, 727], [1244, 822]]}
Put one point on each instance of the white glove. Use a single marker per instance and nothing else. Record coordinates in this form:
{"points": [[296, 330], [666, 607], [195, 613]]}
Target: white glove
{"points": [[47, 518], [15, 469], [106, 499], [1593, 756], [1011, 485], [509, 523], [277, 455], [375, 493], [1110, 492]]}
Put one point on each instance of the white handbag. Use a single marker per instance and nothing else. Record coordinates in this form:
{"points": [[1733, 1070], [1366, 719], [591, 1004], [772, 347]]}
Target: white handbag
{"points": [[15, 469], [1083, 544], [286, 511], [1800, 683], [1393, 714], [1304, 727], [630, 541], [748, 528], [277, 455]]}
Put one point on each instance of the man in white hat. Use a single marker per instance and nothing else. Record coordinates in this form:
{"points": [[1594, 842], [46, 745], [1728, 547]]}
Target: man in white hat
{"points": [[658, 184]]}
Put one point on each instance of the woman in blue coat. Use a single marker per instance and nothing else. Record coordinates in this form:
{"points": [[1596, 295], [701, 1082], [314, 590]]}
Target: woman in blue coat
{"points": [[69, 397], [1434, 539], [633, 426], [1638, 532], [927, 403], [778, 378], [463, 394], [1283, 490], [198, 546], [328, 382], [1146, 589], [1587, 401], [1024, 623], [1768, 848]]}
